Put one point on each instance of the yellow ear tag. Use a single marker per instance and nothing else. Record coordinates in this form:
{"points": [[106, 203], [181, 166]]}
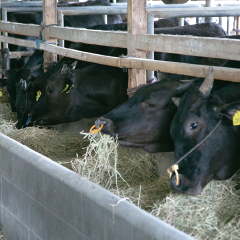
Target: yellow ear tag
{"points": [[236, 118], [38, 95], [1, 94], [65, 89]]}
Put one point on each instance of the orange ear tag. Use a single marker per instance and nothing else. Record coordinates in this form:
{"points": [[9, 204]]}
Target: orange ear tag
{"points": [[236, 118]]}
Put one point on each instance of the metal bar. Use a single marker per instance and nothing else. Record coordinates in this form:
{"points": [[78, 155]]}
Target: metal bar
{"points": [[238, 24], [181, 22], [157, 12], [60, 22], [228, 26], [198, 20], [150, 54], [235, 24], [104, 17], [196, 12], [220, 21], [209, 3]]}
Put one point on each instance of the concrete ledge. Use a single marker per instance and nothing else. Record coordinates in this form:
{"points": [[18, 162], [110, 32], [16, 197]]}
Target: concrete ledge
{"points": [[40, 199]]}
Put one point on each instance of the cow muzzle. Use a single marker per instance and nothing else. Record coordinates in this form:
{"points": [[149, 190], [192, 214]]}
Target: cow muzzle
{"points": [[99, 122], [185, 186]]}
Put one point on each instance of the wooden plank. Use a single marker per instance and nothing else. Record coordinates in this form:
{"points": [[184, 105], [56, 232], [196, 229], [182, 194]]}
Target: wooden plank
{"points": [[18, 41], [195, 12], [190, 45], [137, 24], [18, 55], [49, 17], [104, 38], [221, 73], [20, 28]]}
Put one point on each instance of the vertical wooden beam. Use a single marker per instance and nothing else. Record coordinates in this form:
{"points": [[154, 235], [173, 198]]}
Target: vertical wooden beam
{"points": [[137, 24], [49, 17]]}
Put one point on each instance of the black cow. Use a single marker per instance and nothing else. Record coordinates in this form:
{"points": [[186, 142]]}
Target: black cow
{"points": [[105, 50], [82, 93], [144, 120], [198, 114], [30, 70]]}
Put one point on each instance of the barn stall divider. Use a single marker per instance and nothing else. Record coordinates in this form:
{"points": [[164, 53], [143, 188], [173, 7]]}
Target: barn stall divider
{"points": [[42, 200]]}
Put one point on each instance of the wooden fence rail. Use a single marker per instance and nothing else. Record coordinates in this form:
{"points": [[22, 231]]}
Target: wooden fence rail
{"points": [[190, 45], [221, 73], [193, 46]]}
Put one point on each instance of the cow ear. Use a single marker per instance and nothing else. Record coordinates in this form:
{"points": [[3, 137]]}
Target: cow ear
{"points": [[65, 69], [176, 101], [229, 110]]}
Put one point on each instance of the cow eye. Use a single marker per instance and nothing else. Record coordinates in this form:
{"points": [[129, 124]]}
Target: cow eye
{"points": [[193, 126], [49, 90]]}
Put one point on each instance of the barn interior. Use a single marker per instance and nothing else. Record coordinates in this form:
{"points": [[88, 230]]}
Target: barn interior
{"points": [[133, 174]]}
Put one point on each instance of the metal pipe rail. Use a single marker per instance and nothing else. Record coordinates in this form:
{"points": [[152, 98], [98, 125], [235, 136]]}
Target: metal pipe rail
{"points": [[157, 12], [149, 3], [196, 12]]}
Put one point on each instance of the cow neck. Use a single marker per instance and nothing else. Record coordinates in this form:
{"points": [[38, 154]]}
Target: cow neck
{"points": [[175, 167]]}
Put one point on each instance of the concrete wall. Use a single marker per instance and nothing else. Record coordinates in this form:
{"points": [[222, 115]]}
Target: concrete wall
{"points": [[40, 199]]}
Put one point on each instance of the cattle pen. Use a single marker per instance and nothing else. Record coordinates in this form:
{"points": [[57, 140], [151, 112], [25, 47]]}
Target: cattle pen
{"points": [[33, 189]]}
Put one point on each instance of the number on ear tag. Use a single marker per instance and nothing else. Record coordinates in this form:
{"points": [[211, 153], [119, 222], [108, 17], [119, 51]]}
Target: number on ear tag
{"points": [[236, 118]]}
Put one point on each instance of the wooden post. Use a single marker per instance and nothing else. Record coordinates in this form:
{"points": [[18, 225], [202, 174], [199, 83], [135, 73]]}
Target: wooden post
{"points": [[49, 17], [137, 24]]}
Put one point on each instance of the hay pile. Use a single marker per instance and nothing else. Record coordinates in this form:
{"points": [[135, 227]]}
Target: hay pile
{"points": [[48, 142], [215, 214]]}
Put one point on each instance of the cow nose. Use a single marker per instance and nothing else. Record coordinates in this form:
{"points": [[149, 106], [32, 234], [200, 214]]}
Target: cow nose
{"points": [[174, 180], [99, 122]]}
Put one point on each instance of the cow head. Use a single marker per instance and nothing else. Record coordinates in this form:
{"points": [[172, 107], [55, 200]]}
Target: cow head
{"points": [[144, 120], [54, 95], [198, 114]]}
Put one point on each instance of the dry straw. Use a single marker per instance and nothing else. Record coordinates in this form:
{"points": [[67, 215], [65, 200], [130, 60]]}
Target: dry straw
{"points": [[213, 215], [47, 141]]}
